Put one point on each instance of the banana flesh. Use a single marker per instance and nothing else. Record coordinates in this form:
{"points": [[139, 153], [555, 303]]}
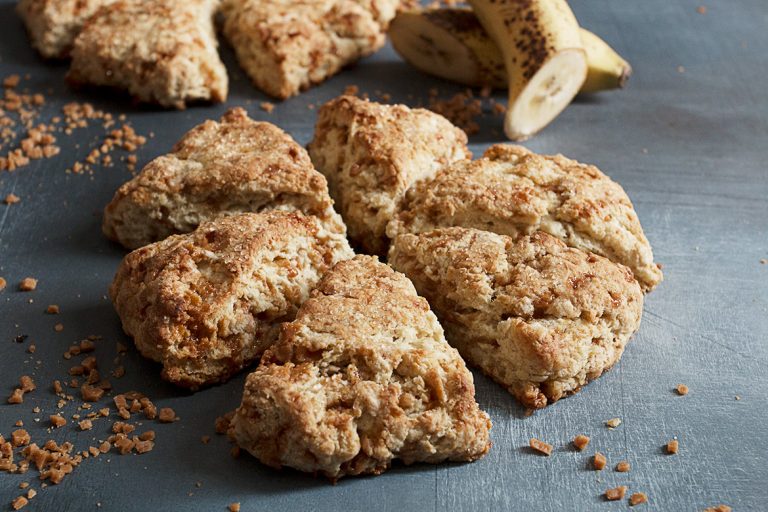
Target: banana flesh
{"points": [[450, 43]]}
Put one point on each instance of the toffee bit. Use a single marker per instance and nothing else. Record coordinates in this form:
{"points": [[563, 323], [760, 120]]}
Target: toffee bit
{"points": [[11, 199], [17, 397], [615, 494], [234, 507], [57, 421], [613, 422], [623, 466], [599, 461], [580, 442], [540, 446], [637, 499], [19, 503], [672, 447], [28, 284], [167, 415], [682, 389]]}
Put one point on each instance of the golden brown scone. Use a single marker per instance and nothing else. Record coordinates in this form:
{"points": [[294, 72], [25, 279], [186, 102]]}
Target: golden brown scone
{"points": [[371, 153], [286, 46], [53, 24], [540, 318], [161, 51], [361, 377], [219, 168], [208, 303], [512, 191]]}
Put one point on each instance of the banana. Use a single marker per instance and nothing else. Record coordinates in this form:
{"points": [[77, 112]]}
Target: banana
{"points": [[545, 60], [451, 44], [607, 69]]}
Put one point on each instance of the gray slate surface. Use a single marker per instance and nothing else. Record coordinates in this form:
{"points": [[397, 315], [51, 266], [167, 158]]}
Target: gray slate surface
{"points": [[689, 147]]}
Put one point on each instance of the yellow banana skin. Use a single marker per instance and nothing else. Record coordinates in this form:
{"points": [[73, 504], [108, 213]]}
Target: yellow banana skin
{"points": [[482, 64]]}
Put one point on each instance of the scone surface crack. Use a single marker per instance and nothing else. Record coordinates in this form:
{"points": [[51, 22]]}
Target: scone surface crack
{"points": [[363, 376]]}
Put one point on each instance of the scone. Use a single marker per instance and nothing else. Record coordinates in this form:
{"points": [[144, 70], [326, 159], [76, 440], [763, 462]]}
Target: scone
{"points": [[286, 46], [512, 191], [538, 317], [363, 376], [218, 168], [160, 51], [372, 153], [53, 24], [208, 303]]}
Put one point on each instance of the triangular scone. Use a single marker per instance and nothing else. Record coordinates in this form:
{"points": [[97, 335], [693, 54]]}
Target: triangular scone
{"points": [[371, 153], [161, 51], [286, 46], [54, 24], [208, 303], [538, 317], [220, 168], [363, 376], [512, 191]]}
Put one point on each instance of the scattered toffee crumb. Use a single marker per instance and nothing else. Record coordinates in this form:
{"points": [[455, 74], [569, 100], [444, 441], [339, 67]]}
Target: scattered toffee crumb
{"points": [[718, 508], [599, 461], [222, 422], [682, 389], [540, 446], [57, 421], [3, 283], [53, 309], [615, 494], [58, 327], [672, 447], [28, 284], [234, 507], [580, 442], [19, 503], [11, 199], [637, 498], [167, 415], [623, 466], [205, 439], [702, 9], [267, 107], [613, 422], [462, 109], [17, 397]]}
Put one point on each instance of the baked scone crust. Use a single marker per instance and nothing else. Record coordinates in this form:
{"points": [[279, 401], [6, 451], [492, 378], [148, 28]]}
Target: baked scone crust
{"points": [[512, 191], [161, 51], [540, 318], [53, 24], [219, 168], [361, 377], [372, 153], [286, 46], [208, 303]]}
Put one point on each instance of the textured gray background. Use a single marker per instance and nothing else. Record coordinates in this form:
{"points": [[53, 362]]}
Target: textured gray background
{"points": [[690, 149]]}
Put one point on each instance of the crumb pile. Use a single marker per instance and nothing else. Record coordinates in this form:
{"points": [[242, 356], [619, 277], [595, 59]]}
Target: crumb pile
{"points": [[25, 136]]}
